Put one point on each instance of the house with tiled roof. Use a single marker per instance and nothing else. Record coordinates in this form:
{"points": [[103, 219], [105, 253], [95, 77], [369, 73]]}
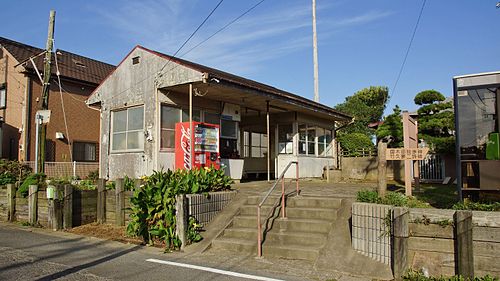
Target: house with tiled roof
{"points": [[73, 130]]}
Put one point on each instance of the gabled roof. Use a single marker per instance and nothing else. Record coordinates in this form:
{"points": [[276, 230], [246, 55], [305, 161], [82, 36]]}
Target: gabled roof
{"points": [[215, 73], [71, 65], [244, 82]]}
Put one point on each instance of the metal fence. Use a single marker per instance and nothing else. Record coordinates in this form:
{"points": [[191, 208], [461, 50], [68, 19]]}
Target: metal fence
{"points": [[67, 169], [362, 152], [205, 207], [432, 168], [371, 230]]}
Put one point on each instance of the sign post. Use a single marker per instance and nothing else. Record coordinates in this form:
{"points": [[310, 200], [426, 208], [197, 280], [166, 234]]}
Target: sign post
{"points": [[410, 140]]}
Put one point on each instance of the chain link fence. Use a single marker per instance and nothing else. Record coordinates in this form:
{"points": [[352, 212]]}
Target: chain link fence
{"points": [[67, 169]]}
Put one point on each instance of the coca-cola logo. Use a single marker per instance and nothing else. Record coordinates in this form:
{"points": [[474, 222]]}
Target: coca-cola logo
{"points": [[186, 146]]}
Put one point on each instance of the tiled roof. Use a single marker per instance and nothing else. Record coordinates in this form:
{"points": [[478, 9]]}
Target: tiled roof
{"points": [[71, 65]]}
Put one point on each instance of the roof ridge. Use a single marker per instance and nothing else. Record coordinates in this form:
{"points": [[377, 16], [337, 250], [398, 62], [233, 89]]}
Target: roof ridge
{"points": [[85, 57], [10, 41]]}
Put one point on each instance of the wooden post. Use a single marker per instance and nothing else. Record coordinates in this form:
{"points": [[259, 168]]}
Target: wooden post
{"points": [[101, 201], [68, 207], [463, 243], [181, 216], [400, 242], [382, 168], [33, 204], [120, 202], [11, 202], [55, 210]]}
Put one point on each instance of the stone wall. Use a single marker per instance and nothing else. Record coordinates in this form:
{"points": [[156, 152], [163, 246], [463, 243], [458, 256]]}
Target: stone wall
{"points": [[365, 168], [432, 239]]}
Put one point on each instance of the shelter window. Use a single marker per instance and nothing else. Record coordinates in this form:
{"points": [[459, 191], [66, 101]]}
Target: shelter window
{"points": [[307, 135], [324, 141], [169, 117], [258, 143], [212, 118], [229, 139], [285, 138], [196, 115], [85, 151], [128, 129], [246, 144]]}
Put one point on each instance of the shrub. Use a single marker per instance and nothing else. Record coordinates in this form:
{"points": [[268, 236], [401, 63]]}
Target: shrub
{"points": [[413, 275], [12, 171], [93, 176], [477, 206], [153, 205], [390, 198], [33, 179]]}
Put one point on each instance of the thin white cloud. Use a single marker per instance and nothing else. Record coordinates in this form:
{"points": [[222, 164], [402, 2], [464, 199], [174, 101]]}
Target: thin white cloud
{"points": [[264, 34]]}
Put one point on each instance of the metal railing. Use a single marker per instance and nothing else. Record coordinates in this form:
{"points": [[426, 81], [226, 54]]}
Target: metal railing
{"points": [[283, 212]]}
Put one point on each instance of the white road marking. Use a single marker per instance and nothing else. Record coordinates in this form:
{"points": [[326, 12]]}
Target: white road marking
{"points": [[214, 270]]}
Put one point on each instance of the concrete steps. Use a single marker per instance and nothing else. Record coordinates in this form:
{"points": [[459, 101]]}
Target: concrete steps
{"points": [[301, 235]]}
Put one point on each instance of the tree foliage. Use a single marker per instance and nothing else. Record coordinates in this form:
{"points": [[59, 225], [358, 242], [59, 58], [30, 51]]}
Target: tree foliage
{"points": [[366, 106], [436, 121], [428, 97], [392, 127]]}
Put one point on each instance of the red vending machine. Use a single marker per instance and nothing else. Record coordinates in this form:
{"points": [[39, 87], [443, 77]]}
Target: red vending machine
{"points": [[205, 144]]}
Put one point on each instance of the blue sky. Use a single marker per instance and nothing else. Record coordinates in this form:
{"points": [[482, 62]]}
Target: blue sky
{"points": [[360, 43]]}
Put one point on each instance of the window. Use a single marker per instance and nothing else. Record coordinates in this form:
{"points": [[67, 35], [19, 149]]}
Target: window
{"points": [[3, 96], [84, 152], [228, 129], [169, 116], [285, 139], [307, 136], [212, 118], [196, 115], [258, 145], [128, 129], [246, 144], [324, 140]]}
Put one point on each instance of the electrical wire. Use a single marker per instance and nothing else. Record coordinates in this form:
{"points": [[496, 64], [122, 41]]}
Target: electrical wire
{"points": [[208, 38], [409, 47], [62, 106], [191, 36]]}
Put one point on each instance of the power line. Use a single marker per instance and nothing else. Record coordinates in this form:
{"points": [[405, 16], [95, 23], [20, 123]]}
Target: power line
{"points": [[192, 34], [409, 47], [199, 44]]}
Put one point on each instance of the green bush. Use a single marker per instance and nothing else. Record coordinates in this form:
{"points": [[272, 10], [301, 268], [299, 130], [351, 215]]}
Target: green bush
{"points": [[153, 205], [477, 206], [413, 275], [12, 171], [85, 185], [354, 143], [33, 179], [367, 196], [390, 198], [93, 176]]}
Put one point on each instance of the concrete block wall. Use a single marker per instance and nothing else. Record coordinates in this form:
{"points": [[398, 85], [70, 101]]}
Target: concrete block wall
{"points": [[4, 209], [432, 240], [204, 208], [371, 231]]}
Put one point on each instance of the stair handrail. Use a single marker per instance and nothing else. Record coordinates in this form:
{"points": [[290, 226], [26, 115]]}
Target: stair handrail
{"points": [[283, 213]]}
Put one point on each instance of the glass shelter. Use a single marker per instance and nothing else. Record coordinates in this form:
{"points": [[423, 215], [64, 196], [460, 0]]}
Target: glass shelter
{"points": [[476, 100]]}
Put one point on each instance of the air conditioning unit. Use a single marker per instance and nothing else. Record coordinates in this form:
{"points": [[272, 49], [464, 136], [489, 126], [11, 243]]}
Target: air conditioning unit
{"points": [[231, 112]]}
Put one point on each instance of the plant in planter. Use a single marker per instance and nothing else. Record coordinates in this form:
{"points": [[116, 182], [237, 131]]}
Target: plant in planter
{"points": [[153, 205], [32, 179]]}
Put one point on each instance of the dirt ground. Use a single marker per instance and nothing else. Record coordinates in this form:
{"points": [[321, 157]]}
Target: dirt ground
{"points": [[106, 231]]}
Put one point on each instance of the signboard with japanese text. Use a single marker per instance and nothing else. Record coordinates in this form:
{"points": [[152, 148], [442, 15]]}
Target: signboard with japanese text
{"points": [[406, 153]]}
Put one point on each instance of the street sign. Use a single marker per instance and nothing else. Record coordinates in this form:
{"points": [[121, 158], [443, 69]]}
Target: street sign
{"points": [[406, 153]]}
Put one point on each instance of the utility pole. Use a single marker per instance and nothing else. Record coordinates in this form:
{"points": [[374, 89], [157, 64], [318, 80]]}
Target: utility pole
{"points": [[45, 93], [315, 54]]}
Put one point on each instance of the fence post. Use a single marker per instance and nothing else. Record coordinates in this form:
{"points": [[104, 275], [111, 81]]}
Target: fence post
{"points": [[101, 201], [74, 169], [68, 207], [400, 242], [33, 204], [382, 168], [120, 203], [463, 243], [11, 201], [55, 210], [181, 216]]}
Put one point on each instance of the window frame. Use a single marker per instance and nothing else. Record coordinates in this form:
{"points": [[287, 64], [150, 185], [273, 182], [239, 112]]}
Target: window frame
{"points": [[3, 97], [127, 131], [85, 143], [180, 113]]}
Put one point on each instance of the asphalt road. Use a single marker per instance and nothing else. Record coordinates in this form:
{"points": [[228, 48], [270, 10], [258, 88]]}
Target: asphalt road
{"points": [[27, 254]]}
